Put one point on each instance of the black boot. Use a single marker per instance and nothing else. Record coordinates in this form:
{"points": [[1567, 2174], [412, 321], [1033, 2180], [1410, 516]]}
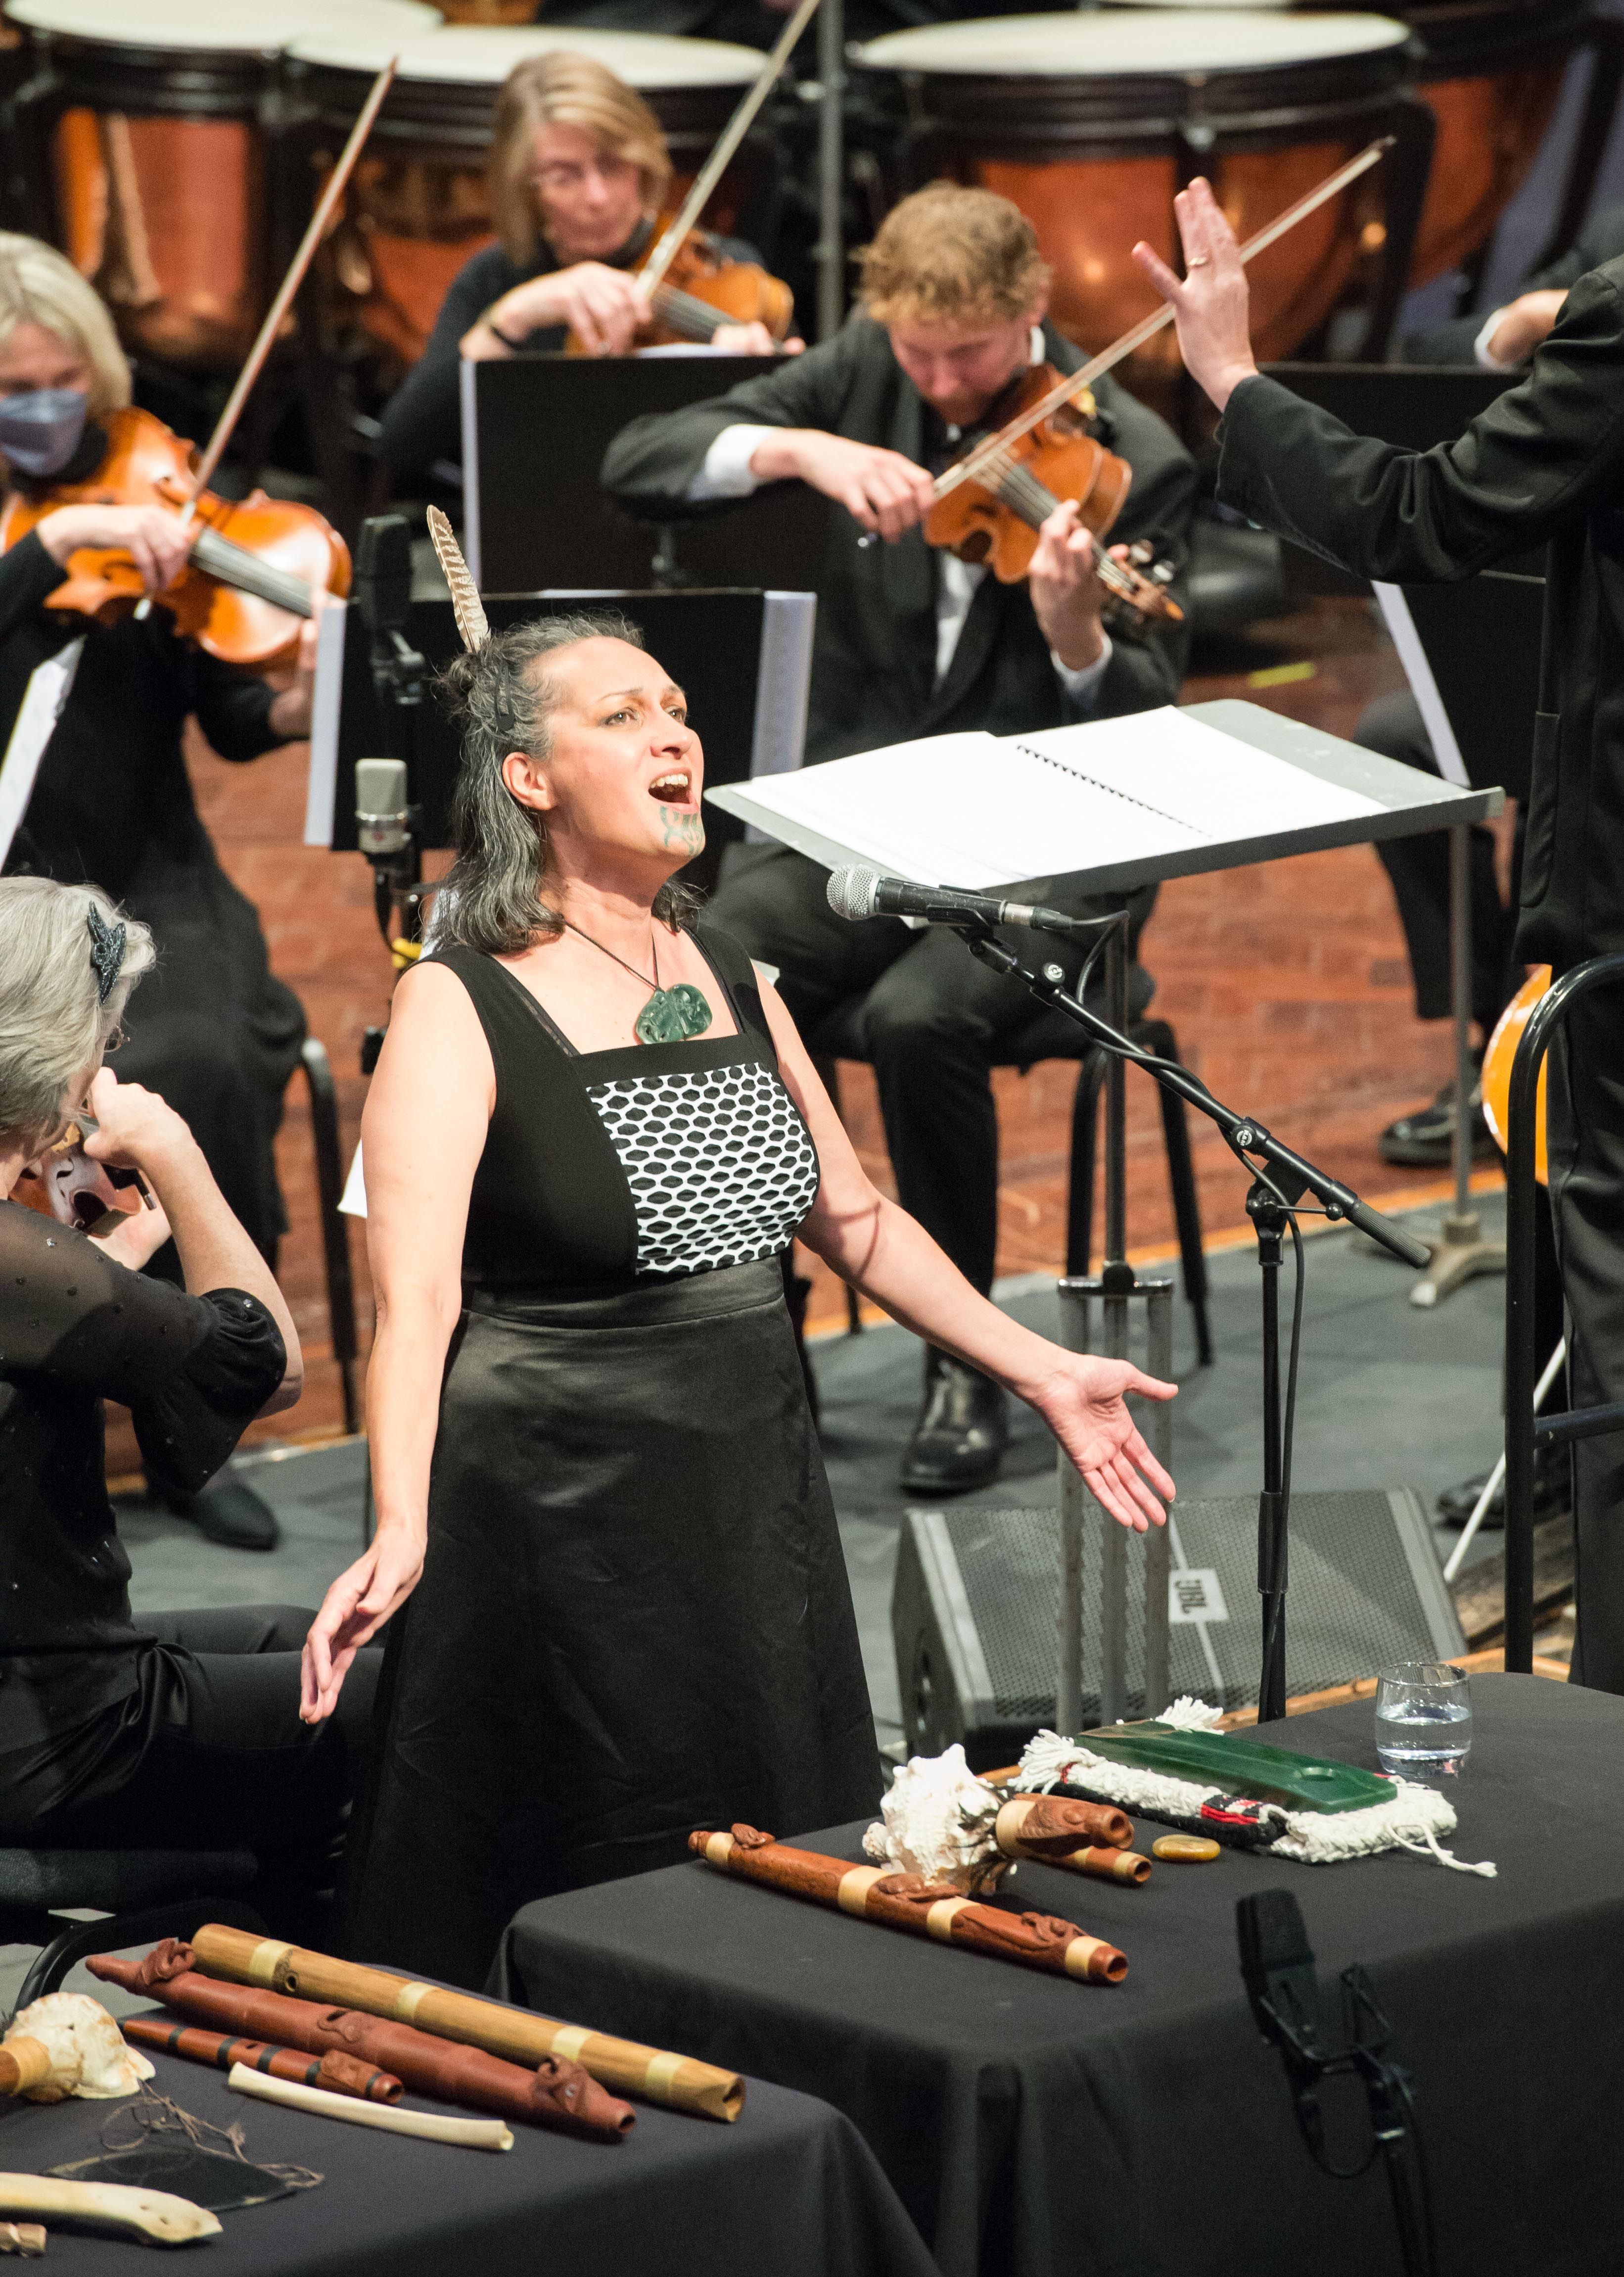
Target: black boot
{"points": [[1425, 1141], [225, 1510], [959, 1438], [1553, 1493]]}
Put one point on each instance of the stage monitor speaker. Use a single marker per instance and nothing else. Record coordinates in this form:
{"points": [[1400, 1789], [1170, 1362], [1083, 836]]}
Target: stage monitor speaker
{"points": [[976, 1612]]}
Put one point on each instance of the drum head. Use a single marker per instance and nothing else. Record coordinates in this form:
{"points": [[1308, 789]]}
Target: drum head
{"points": [[1131, 43], [221, 27], [482, 55]]}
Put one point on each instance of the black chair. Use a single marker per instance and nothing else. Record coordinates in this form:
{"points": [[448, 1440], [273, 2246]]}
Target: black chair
{"points": [[138, 1895], [1050, 1035]]}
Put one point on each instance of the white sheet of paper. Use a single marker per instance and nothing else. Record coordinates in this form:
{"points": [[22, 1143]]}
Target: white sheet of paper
{"points": [[50, 686], [980, 811]]}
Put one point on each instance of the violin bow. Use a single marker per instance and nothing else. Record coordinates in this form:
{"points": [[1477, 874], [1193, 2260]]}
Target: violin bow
{"points": [[982, 460], [337, 182], [652, 273]]}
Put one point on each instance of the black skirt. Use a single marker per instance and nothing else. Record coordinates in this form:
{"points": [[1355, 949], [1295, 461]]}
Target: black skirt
{"points": [[634, 1617]]}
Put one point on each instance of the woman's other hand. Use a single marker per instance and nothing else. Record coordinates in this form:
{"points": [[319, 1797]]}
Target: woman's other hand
{"points": [[292, 706], [751, 339], [1210, 303], [354, 1608], [1083, 1405], [156, 540]]}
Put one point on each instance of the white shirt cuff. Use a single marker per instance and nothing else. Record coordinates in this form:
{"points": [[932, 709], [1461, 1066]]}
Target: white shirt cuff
{"points": [[726, 471], [1083, 685], [1480, 347]]}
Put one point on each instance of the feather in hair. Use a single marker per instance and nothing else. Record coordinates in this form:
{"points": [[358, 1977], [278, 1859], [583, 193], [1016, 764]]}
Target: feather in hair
{"points": [[471, 621]]}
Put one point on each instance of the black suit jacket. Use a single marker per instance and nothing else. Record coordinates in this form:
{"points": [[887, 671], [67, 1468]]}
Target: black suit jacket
{"points": [[1545, 463], [1601, 240], [873, 656]]}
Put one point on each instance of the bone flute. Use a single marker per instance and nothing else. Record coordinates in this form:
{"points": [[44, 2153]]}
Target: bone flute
{"points": [[1084, 1838], [343, 2075], [158, 2216], [555, 2093], [908, 1901], [428, 2126], [516, 2034]]}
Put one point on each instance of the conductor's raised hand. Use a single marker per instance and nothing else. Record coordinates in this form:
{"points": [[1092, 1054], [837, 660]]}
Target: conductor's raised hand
{"points": [[352, 1611], [1210, 302], [1082, 1403]]}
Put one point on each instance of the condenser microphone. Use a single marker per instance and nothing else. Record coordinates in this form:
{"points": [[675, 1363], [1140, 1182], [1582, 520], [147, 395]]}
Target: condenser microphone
{"points": [[382, 812], [858, 893]]}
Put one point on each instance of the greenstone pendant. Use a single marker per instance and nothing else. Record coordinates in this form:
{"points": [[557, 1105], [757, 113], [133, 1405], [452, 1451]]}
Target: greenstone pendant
{"points": [[672, 1015]]}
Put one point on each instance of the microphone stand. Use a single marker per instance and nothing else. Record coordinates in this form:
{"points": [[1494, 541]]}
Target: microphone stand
{"points": [[383, 595], [1280, 1178]]}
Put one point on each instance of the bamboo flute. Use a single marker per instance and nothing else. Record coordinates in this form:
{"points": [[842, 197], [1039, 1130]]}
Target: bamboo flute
{"points": [[556, 2093], [908, 1901], [516, 2034], [341, 2074]]}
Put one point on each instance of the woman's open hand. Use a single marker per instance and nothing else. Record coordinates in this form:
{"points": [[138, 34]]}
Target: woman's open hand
{"points": [[1082, 1402], [1210, 303], [352, 1611]]}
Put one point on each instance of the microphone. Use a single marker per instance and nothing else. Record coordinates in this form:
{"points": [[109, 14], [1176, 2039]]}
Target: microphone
{"points": [[857, 893], [384, 574], [382, 812]]}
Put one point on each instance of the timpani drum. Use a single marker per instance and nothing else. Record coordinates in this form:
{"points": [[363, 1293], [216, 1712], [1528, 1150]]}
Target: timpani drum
{"points": [[417, 205], [1491, 70], [152, 122], [1090, 122]]}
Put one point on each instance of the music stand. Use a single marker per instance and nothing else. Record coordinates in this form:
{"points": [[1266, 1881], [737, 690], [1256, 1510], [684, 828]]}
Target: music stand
{"points": [[535, 430], [744, 659]]}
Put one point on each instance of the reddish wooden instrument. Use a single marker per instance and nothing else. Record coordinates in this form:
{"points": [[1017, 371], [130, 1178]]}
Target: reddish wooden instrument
{"points": [[703, 290], [255, 567], [995, 517], [340, 2075], [66, 1184]]}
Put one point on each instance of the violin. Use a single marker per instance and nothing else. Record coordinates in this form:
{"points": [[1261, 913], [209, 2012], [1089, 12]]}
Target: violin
{"points": [[701, 290], [66, 1186], [994, 516], [254, 567]]}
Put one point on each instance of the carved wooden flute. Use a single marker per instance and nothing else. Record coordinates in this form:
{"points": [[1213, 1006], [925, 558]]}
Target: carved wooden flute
{"points": [[1084, 1838], [343, 2074], [555, 2093], [523, 2037], [908, 1901]]}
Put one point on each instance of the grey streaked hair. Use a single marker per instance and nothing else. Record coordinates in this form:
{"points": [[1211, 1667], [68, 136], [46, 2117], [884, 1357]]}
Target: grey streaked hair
{"points": [[53, 1024], [504, 697]]}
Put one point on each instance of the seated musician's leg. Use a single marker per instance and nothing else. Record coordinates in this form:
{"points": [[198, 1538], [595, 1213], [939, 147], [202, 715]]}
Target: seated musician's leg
{"points": [[932, 1024], [1418, 868], [776, 905]]}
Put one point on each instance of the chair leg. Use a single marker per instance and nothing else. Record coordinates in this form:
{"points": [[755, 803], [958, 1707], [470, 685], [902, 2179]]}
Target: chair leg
{"points": [[1158, 1037], [1085, 1139], [112, 1932], [335, 1232]]}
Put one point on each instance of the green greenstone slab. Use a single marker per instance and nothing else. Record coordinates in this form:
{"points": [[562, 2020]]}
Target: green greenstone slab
{"points": [[1239, 1766]]}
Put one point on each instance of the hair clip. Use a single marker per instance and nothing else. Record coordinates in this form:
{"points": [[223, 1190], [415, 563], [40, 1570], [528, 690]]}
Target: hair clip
{"points": [[106, 951]]}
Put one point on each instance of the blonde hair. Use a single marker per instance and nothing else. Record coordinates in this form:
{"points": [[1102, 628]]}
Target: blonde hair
{"points": [[39, 286], [566, 90], [948, 254], [53, 1021]]}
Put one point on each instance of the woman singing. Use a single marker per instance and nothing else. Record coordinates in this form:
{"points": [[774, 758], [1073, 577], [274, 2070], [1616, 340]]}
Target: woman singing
{"points": [[579, 171], [213, 1031], [593, 1131], [170, 1731]]}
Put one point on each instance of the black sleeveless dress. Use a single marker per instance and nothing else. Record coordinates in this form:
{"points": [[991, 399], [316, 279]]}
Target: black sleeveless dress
{"points": [[634, 1617]]}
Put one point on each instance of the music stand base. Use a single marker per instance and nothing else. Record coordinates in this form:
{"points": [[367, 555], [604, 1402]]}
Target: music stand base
{"points": [[1459, 1255]]}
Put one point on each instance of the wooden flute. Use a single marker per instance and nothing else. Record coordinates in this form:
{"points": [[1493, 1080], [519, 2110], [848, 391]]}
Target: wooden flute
{"points": [[908, 1901], [343, 2074], [516, 2034]]}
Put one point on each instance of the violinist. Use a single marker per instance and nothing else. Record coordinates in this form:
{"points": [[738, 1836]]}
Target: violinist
{"points": [[578, 172], [213, 1031], [910, 642]]}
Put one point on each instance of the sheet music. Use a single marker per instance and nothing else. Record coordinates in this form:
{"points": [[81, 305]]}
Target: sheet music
{"points": [[980, 811]]}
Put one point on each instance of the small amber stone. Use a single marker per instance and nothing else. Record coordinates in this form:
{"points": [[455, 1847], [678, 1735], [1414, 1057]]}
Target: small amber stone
{"points": [[1184, 1849]]}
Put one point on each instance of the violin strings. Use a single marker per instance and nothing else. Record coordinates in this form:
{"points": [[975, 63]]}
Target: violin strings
{"points": [[679, 307], [235, 564]]}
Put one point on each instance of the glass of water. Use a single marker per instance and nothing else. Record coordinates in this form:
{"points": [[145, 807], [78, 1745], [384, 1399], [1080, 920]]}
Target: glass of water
{"points": [[1424, 1718]]}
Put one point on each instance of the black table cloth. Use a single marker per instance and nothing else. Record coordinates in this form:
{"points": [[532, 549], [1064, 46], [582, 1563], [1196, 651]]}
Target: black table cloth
{"points": [[790, 2187], [1034, 2126]]}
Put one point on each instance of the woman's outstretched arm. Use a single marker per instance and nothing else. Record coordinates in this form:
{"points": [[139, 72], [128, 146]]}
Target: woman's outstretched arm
{"points": [[871, 1242], [422, 1138]]}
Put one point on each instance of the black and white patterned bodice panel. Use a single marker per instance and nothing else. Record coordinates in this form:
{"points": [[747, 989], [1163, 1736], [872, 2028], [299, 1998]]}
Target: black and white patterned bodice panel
{"points": [[721, 1166]]}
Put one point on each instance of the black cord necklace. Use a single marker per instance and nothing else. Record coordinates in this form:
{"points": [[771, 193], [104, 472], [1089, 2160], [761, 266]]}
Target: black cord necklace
{"points": [[672, 1015]]}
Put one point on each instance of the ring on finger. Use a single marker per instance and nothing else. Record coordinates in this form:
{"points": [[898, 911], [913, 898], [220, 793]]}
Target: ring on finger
{"points": [[1199, 261]]}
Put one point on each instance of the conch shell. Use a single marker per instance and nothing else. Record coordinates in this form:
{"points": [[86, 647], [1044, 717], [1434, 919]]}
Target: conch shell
{"points": [[68, 2045], [938, 1820]]}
